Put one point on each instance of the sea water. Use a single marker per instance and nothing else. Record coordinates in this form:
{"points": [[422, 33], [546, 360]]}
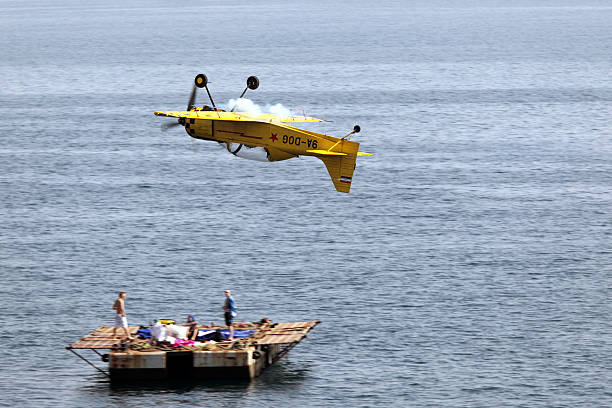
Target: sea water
{"points": [[469, 266]]}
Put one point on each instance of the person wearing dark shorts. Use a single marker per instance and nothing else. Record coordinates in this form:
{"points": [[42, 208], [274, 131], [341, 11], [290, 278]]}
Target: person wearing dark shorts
{"points": [[229, 306], [228, 318]]}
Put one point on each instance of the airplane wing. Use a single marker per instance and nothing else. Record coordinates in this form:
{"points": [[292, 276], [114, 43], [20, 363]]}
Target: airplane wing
{"points": [[169, 114], [270, 117], [218, 115], [194, 114], [300, 119]]}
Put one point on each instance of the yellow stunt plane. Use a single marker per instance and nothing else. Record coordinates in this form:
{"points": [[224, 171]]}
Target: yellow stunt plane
{"points": [[267, 137]]}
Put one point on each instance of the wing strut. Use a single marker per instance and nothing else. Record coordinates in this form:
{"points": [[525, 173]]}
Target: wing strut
{"points": [[252, 83], [201, 81]]}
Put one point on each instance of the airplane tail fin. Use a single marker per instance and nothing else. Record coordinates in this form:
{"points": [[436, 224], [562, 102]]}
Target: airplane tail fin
{"points": [[341, 170]]}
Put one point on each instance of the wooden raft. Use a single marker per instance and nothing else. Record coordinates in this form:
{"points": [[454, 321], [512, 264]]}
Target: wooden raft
{"points": [[101, 338], [281, 333], [285, 333]]}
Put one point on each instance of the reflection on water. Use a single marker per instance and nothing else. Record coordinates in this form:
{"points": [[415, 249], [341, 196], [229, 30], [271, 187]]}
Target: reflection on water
{"points": [[284, 373], [283, 376], [175, 387]]}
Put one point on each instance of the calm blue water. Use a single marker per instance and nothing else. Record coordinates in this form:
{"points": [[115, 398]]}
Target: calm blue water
{"points": [[470, 265]]}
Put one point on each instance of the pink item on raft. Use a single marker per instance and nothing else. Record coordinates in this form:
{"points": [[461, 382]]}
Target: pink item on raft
{"points": [[183, 343]]}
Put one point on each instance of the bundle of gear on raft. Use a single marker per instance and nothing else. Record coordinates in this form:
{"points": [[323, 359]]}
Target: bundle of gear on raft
{"points": [[166, 335]]}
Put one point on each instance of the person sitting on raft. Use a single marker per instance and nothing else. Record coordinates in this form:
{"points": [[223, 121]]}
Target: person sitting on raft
{"points": [[192, 333]]}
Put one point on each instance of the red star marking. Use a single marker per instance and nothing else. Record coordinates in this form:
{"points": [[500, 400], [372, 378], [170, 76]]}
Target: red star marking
{"points": [[273, 137]]}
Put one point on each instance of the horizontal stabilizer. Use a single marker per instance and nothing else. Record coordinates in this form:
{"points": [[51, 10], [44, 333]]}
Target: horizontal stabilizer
{"points": [[326, 153], [363, 154]]}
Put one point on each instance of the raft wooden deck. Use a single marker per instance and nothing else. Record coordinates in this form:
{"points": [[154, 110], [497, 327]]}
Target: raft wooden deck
{"points": [[241, 358], [280, 333], [101, 338]]}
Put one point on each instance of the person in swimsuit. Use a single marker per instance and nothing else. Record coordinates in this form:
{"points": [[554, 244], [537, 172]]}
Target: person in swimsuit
{"points": [[120, 317]]}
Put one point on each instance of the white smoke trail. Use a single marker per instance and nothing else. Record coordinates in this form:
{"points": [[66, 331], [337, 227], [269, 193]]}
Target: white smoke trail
{"points": [[278, 110], [244, 105], [248, 106]]}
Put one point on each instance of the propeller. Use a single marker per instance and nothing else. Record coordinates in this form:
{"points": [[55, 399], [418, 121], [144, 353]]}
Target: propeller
{"points": [[167, 126], [200, 82], [192, 97]]}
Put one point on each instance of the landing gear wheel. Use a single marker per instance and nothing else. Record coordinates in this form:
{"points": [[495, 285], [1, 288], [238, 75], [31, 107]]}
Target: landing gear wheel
{"points": [[357, 129], [201, 81], [252, 82]]}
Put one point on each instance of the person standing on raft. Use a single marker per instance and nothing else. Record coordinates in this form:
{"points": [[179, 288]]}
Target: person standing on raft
{"points": [[120, 317], [230, 312]]}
